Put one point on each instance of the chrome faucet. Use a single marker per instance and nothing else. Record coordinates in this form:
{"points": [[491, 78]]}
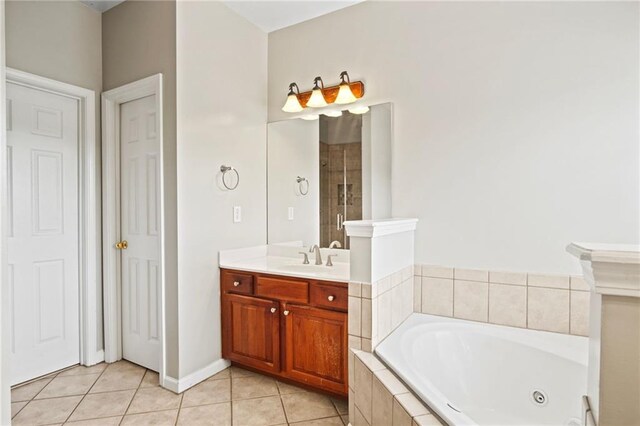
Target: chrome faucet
{"points": [[335, 244], [316, 249]]}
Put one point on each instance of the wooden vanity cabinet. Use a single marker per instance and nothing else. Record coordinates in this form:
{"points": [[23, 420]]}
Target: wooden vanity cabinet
{"points": [[251, 332], [291, 328], [315, 344]]}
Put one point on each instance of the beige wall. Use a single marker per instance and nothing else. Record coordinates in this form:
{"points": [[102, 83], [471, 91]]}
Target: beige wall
{"points": [[55, 39], [139, 40], [222, 80], [619, 362], [60, 40], [515, 123]]}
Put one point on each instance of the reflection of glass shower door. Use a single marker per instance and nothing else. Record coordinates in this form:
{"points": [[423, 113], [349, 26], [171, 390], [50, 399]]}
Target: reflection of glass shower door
{"points": [[341, 190]]}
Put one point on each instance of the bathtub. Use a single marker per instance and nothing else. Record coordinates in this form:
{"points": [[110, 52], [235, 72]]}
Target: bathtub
{"points": [[473, 373]]}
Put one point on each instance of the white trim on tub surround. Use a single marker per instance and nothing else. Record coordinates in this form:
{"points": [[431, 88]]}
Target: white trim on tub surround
{"points": [[111, 101], [180, 385], [380, 248], [611, 269], [377, 228], [89, 247]]}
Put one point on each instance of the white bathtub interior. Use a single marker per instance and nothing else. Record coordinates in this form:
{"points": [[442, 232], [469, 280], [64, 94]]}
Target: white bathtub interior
{"points": [[483, 374]]}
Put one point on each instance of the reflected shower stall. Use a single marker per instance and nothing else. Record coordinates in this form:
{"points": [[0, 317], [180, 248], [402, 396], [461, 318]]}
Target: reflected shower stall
{"points": [[340, 176]]}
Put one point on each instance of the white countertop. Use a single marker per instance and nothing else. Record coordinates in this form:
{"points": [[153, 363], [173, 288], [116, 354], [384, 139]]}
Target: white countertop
{"points": [[259, 260]]}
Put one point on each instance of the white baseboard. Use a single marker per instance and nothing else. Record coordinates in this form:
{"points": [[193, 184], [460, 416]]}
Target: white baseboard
{"points": [[181, 385]]}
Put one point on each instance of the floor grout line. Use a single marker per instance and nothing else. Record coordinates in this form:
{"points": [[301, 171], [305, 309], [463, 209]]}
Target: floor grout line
{"points": [[134, 396], [179, 407], [231, 395], [85, 395], [231, 402]]}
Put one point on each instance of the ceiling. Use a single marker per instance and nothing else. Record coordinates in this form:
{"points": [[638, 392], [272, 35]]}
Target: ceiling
{"points": [[101, 5], [267, 15], [273, 15]]}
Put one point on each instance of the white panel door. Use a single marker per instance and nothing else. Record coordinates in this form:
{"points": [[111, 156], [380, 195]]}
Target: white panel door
{"points": [[140, 221], [42, 156]]}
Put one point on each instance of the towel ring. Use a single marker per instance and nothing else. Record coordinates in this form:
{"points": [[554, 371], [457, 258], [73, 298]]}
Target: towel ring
{"points": [[224, 170], [301, 180]]}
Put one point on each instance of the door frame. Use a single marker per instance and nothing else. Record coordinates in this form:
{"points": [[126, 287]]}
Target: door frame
{"points": [[89, 214], [5, 390], [112, 287]]}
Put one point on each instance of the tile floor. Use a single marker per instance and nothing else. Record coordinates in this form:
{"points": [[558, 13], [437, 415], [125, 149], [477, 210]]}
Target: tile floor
{"points": [[123, 393]]}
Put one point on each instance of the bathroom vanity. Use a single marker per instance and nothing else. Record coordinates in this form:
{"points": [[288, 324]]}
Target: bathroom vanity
{"points": [[291, 326]]}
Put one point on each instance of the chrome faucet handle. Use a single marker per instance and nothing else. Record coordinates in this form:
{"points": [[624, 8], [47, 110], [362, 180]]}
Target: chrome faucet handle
{"points": [[306, 258], [329, 262], [316, 250], [335, 244]]}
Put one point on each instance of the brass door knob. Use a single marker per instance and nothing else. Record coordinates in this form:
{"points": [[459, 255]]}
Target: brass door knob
{"points": [[273, 310], [286, 313], [122, 245], [236, 283], [330, 298]]}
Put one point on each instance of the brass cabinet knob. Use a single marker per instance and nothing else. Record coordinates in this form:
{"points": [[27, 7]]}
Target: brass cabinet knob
{"points": [[286, 313], [330, 298], [236, 283], [122, 245], [273, 310]]}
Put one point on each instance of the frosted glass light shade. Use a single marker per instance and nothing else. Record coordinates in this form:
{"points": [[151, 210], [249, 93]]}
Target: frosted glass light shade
{"points": [[292, 104], [317, 99], [333, 113], [345, 95], [310, 117], [359, 110]]}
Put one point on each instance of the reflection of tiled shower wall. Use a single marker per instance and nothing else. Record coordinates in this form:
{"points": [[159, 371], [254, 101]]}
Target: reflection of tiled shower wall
{"points": [[325, 232], [332, 169]]}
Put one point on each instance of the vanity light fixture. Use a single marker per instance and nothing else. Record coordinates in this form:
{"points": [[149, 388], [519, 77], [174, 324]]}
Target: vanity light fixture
{"points": [[336, 113], [359, 110], [293, 103], [317, 99], [310, 117], [345, 95], [320, 96]]}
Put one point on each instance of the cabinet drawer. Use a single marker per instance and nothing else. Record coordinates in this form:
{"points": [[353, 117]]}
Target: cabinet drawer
{"points": [[282, 289], [329, 296], [237, 283]]}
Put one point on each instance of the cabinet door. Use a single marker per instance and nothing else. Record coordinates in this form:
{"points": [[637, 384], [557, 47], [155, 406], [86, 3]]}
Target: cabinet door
{"points": [[251, 331], [316, 347]]}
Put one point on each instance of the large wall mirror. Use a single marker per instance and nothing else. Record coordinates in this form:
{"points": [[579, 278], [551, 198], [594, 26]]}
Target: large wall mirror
{"points": [[324, 172]]}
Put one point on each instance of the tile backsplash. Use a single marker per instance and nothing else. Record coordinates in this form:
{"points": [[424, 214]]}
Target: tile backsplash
{"points": [[375, 310], [558, 303]]}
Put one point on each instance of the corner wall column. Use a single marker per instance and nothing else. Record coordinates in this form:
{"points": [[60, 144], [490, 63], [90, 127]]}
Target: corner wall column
{"points": [[613, 379], [381, 277]]}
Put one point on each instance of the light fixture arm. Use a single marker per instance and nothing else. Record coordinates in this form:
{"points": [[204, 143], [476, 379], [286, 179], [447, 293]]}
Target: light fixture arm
{"points": [[344, 75], [315, 83], [291, 87]]}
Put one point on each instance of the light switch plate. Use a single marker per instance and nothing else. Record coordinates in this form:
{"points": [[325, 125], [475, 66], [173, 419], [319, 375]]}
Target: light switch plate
{"points": [[290, 213], [237, 214]]}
